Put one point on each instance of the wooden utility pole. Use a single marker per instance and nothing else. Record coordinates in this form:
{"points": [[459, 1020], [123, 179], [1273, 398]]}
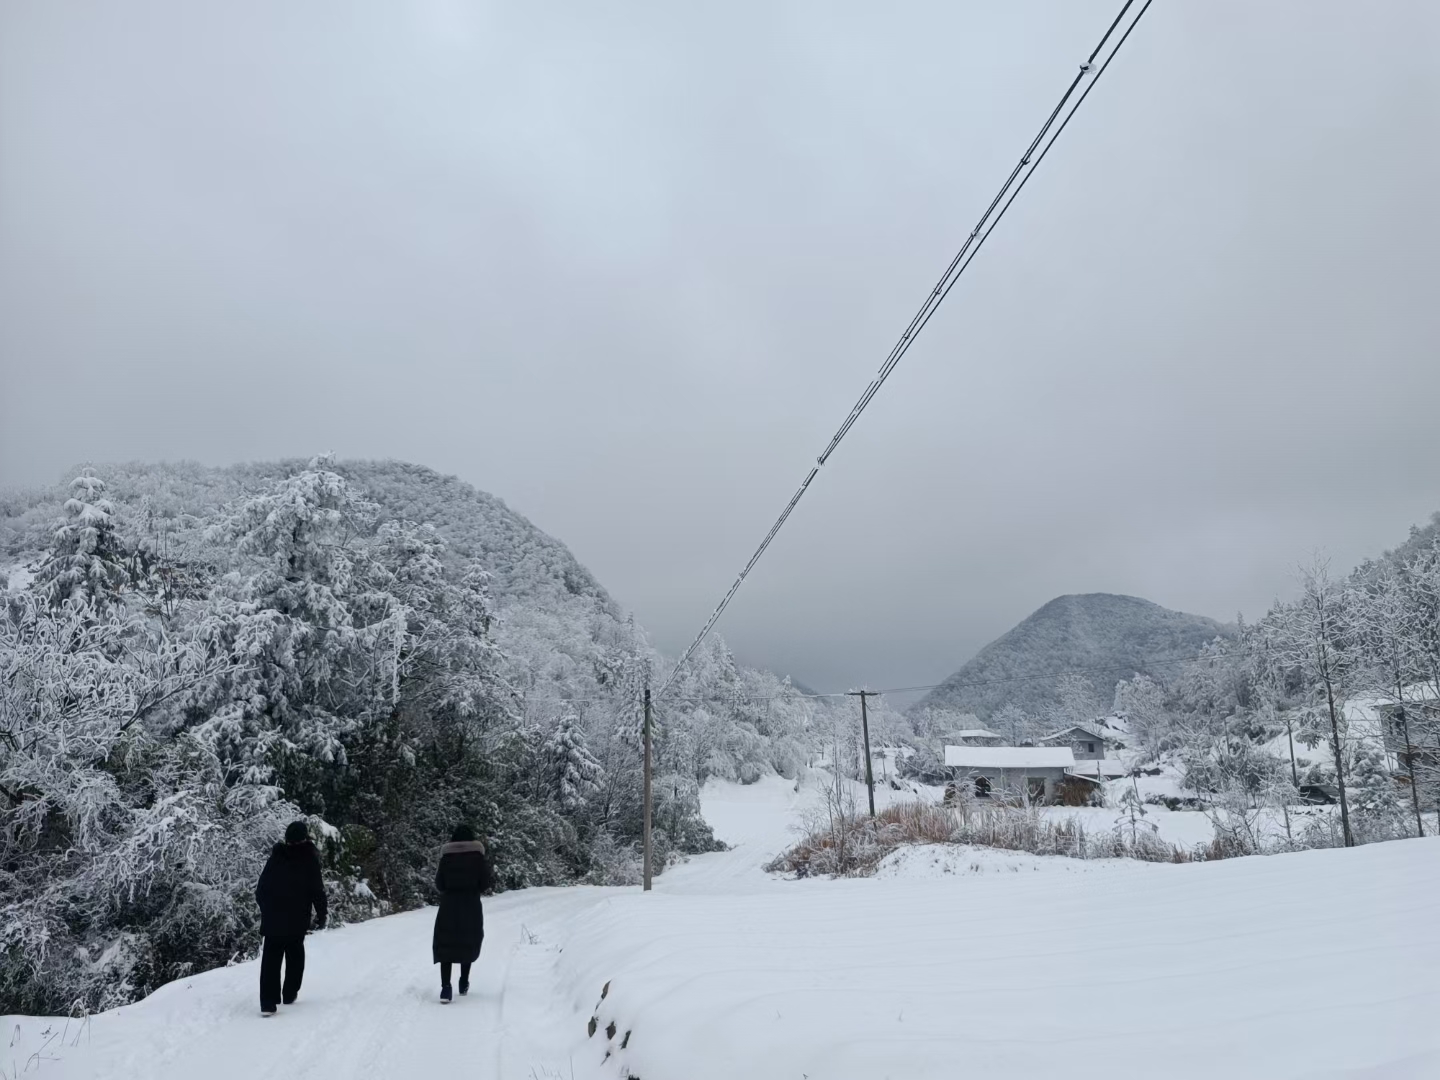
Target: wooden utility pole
{"points": [[647, 784], [865, 727]]}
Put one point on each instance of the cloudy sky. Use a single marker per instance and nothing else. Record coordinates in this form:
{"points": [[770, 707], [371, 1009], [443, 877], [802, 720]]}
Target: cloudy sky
{"points": [[628, 265]]}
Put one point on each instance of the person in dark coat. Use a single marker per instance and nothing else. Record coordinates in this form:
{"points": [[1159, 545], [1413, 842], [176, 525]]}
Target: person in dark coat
{"points": [[290, 885], [464, 873]]}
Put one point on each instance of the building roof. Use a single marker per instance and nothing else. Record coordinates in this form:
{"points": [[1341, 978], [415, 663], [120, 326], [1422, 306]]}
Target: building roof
{"points": [[1009, 757], [1110, 767], [1090, 732], [974, 733]]}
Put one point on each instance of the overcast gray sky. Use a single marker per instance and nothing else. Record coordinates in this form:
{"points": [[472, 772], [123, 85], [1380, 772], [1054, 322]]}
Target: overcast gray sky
{"points": [[628, 265]]}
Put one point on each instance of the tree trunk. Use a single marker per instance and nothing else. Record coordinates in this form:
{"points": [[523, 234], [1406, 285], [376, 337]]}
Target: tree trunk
{"points": [[1339, 765], [1290, 734], [1410, 768]]}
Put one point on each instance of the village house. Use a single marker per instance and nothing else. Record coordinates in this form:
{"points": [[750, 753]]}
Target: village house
{"points": [[1088, 746], [1084, 743], [1410, 731], [1033, 774]]}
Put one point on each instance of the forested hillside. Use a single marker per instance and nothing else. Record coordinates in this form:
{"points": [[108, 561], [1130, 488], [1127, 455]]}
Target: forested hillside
{"points": [[181, 500], [191, 657], [1107, 636]]}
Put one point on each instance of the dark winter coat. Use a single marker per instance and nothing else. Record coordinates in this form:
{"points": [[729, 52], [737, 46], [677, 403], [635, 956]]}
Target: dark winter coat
{"points": [[290, 885], [463, 875]]}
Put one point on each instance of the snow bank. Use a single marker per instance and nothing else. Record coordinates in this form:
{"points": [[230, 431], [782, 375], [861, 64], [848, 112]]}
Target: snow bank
{"points": [[1198, 970], [933, 861]]}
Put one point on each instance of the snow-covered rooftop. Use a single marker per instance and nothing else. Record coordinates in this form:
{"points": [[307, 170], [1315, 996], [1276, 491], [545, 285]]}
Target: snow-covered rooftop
{"points": [[974, 733], [1009, 757], [1107, 767], [1091, 732]]}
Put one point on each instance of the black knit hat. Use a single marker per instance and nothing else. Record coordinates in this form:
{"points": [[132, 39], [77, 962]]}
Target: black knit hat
{"points": [[462, 833], [297, 832]]}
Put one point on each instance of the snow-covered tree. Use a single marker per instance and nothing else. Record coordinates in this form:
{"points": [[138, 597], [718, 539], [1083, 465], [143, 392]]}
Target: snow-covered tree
{"points": [[1392, 644], [1420, 585], [1078, 702], [573, 773], [1319, 636], [1372, 786], [86, 561], [1141, 701], [126, 851], [1016, 725], [1132, 816]]}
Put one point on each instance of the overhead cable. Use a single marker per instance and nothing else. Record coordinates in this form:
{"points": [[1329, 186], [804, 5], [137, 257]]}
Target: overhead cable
{"points": [[1014, 183]]}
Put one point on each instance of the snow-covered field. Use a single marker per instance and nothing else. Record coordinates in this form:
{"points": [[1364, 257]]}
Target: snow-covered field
{"points": [[952, 962]]}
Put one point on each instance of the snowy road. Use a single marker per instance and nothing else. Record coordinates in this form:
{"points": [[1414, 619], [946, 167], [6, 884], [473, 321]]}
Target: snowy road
{"points": [[368, 1008], [1315, 966], [369, 1005]]}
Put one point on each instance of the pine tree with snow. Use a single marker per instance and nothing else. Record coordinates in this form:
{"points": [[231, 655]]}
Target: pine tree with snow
{"points": [[574, 774], [1374, 794], [86, 561]]}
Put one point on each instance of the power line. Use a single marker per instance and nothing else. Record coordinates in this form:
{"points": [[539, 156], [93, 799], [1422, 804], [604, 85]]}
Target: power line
{"points": [[1012, 186]]}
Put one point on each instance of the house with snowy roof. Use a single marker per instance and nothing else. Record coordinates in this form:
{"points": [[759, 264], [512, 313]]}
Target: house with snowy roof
{"points": [[1085, 743], [1034, 774], [1407, 731], [1088, 746]]}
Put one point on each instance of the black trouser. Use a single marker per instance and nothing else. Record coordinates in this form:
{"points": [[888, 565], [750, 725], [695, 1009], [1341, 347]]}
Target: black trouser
{"points": [[292, 951], [445, 972]]}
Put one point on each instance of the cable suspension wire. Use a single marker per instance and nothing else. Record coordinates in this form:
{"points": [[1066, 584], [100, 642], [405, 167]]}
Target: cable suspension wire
{"points": [[1032, 157]]}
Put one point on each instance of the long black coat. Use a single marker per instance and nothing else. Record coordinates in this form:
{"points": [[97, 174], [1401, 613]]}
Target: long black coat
{"points": [[463, 875], [290, 885]]}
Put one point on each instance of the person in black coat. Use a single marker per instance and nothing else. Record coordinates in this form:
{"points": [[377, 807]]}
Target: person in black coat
{"points": [[464, 873], [290, 885]]}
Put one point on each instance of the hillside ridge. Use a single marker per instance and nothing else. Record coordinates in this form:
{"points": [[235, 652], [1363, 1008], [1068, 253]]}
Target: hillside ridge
{"points": [[183, 496], [1107, 636]]}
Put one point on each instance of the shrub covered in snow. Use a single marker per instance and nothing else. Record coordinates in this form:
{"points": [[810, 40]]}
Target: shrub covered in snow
{"points": [[840, 841]]}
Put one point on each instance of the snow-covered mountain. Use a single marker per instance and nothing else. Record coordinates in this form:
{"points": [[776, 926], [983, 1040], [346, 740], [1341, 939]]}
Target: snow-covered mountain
{"points": [[1106, 636]]}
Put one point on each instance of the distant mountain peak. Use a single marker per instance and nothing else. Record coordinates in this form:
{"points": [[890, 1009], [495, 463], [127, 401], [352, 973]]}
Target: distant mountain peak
{"points": [[1105, 636]]}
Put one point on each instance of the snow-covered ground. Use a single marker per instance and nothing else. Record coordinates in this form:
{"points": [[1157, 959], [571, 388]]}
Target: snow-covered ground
{"points": [[16, 577], [1184, 827], [947, 860], [952, 962]]}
